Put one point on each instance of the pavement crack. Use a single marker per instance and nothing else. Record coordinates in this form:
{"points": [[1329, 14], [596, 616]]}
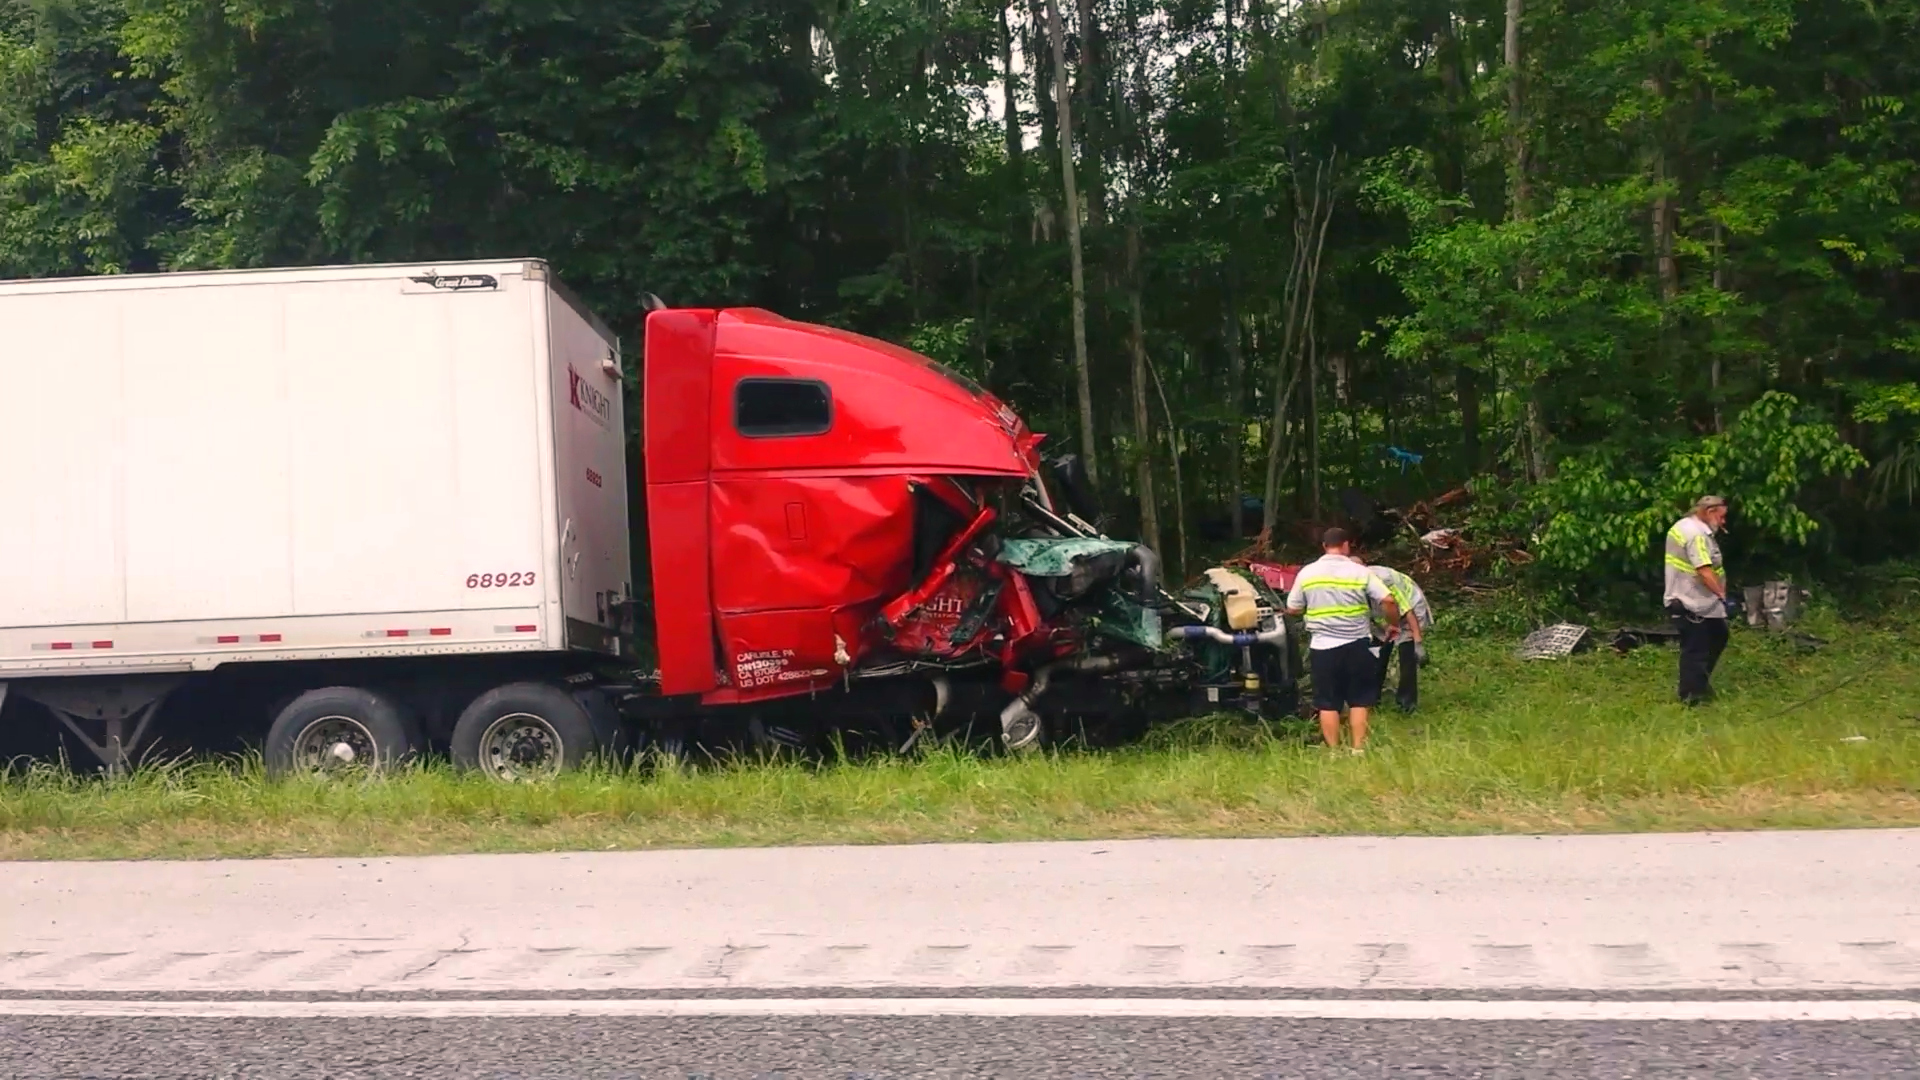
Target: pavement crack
{"points": [[465, 939], [1377, 958]]}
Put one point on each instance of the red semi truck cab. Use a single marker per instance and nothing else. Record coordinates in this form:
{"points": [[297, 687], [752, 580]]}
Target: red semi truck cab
{"points": [[828, 512], [783, 463]]}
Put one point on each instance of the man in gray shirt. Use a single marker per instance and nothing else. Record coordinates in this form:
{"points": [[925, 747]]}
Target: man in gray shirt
{"points": [[1337, 595], [1696, 595]]}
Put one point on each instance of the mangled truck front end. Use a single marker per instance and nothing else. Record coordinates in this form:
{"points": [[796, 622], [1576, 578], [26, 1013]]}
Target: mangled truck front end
{"points": [[832, 515]]}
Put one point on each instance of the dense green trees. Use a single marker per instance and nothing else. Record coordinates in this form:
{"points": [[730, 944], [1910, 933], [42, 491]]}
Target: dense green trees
{"points": [[1586, 252]]}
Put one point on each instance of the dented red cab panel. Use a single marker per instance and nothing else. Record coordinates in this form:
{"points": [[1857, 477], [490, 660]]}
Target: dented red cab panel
{"points": [[781, 460]]}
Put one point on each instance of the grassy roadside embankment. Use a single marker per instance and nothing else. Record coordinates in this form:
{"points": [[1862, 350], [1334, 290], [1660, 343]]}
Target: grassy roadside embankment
{"points": [[1592, 743]]}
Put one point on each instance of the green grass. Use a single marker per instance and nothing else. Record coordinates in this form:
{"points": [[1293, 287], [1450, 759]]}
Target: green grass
{"points": [[1592, 743]]}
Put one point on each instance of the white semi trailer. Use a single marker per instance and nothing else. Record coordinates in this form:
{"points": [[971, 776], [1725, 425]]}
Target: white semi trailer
{"points": [[373, 491]]}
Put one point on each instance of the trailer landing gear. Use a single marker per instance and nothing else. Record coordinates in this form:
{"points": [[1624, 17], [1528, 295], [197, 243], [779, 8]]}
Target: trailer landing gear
{"points": [[99, 711]]}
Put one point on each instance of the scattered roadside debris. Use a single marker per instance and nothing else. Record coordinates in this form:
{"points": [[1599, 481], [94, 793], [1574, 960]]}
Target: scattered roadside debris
{"points": [[1774, 605], [1404, 457], [1414, 538], [1628, 638], [1554, 642]]}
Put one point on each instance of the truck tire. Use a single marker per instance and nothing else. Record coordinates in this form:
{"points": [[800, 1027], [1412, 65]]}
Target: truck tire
{"points": [[338, 728], [523, 731]]}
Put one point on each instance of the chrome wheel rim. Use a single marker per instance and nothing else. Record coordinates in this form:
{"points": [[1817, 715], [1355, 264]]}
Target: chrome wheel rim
{"points": [[335, 744], [520, 746]]}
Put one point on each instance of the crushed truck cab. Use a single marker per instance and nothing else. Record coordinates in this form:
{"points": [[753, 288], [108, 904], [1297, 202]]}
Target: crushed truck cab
{"points": [[825, 509], [793, 473]]}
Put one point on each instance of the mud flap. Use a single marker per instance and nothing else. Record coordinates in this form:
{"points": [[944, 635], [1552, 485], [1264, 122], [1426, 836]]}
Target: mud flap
{"points": [[609, 730]]}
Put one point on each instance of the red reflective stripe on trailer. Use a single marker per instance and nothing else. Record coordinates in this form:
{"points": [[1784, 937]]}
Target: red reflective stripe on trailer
{"points": [[526, 629], [103, 644], [61, 645], [441, 631], [398, 633], [241, 639]]}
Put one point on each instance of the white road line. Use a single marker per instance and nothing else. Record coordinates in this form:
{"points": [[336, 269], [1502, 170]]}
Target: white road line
{"points": [[1144, 1008]]}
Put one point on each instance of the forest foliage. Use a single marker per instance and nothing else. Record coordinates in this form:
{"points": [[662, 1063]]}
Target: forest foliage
{"points": [[1592, 256]]}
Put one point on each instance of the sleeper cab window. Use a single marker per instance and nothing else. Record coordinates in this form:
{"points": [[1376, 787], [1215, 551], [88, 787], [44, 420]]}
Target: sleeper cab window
{"points": [[781, 408]]}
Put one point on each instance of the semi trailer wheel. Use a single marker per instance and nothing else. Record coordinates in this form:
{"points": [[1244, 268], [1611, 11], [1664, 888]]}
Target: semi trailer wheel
{"points": [[523, 731], [339, 729]]}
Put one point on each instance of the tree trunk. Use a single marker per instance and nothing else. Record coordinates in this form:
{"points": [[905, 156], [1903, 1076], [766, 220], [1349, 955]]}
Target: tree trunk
{"points": [[1236, 421], [1043, 81], [1010, 102], [1236, 358], [1313, 442], [1663, 231], [1093, 103], [1310, 222], [1466, 383], [1520, 201], [903, 170], [980, 316], [1063, 104], [1454, 87], [1142, 424], [1179, 491], [1719, 286], [1517, 180]]}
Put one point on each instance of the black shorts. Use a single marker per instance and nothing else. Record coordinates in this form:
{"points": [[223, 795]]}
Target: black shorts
{"points": [[1346, 677]]}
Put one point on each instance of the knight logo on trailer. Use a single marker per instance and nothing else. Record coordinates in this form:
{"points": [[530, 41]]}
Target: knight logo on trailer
{"points": [[597, 406]]}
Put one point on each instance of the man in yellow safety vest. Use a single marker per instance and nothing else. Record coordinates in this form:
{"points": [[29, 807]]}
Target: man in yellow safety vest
{"points": [[1338, 596], [1405, 637], [1696, 595]]}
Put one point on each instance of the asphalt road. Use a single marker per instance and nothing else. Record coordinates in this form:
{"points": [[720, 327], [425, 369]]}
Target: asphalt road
{"points": [[843, 1049], [1755, 955]]}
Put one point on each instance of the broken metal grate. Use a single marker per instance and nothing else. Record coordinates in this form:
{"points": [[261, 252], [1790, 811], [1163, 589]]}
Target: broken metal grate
{"points": [[1550, 642]]}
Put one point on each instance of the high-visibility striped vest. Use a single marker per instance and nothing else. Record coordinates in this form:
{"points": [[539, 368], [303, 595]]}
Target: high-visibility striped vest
{"points": [[1338, 595], [1690, 546], [1407, 593]]}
